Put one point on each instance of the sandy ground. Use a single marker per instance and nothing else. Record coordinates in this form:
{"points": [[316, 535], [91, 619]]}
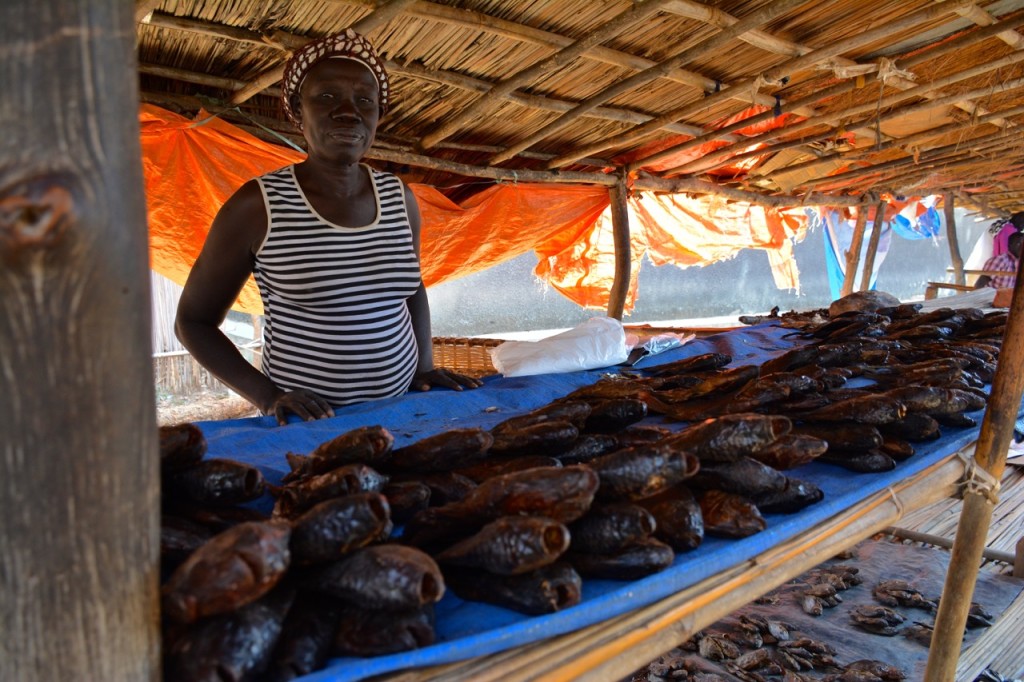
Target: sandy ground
{"points": [[202, 406]]}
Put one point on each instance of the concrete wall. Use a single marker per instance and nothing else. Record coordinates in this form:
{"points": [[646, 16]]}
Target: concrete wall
{"points": [[509, 298]]}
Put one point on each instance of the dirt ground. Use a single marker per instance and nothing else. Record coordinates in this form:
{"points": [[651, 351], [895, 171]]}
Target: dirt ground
{"points": [[202, 406]]}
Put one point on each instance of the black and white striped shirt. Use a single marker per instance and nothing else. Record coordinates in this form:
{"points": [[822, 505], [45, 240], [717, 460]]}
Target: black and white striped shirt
{"points": [[334, 298]]}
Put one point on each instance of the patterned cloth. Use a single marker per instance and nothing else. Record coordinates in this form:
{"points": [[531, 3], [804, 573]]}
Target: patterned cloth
{"points": [[1005, 262], [345, 45]]}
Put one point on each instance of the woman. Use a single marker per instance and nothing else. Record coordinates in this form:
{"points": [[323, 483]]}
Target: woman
{"points": [[334, 247]]}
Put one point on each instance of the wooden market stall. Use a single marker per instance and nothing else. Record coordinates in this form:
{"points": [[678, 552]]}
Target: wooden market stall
{"points": [[759, 108]]}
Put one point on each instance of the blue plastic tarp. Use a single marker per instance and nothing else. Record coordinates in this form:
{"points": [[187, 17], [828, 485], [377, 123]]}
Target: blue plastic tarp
{"points": [[469, 629]]}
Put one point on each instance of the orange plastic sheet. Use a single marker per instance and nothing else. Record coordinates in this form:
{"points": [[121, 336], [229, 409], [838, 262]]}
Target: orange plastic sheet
{"points": [[192, 167]]}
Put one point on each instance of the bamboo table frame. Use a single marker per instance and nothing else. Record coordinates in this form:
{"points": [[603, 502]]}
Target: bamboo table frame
{"points": [[613, 649]]}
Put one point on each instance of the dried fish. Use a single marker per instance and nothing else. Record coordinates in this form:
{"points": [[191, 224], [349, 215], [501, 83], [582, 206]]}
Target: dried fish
{"points": [[181, 446], [573, 411], [729, 515], [510, 545], [336, 527], [727, 438], [609, 528], [869, 409], [716, 646], [880, 620], [306, 638], [678, 519], [369, 445], [295, 498], [695, 364], [745, 476], [542, 438], [641, 471], [364, 633], [217, 482], [405, 498], [388, 577], [496, 466], [640, 559], [446, 487], [588, 446], [230, 647], [443, 451], [232, 569], [796, 495], [869, 462], [791, 451], [549, 589], [915, 428], [614, 414]]}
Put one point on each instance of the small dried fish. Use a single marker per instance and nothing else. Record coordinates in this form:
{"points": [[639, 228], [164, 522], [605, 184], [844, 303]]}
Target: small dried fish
{"points": [[745, 476], [880, 620], [306, 638], [542, 438], [869, 409], [295, 498], [573, 411], [726, 439], [791, 451], [615, 414], [678, 519], [643, 558], [336, 527], [369, 445], [405, 498]]}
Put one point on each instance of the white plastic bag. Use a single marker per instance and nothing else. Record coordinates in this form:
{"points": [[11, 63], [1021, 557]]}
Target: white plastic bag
{"points": [[598, 342]]}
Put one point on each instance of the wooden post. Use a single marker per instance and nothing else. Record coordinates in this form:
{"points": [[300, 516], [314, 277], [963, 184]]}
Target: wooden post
{"points": [[620, 230], [876, 234], [980, 497], [853, 253], [954, 245], [79, 470]]}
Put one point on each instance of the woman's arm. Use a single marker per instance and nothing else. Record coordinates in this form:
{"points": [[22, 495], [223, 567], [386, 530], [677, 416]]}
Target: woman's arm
{"points": [[419, 310], [220, 272]]}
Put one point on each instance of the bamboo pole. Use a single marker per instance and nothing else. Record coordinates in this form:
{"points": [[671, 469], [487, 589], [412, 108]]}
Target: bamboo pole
{"points": [[385, 12], [620, 229], [853, 253], [801, 62], [79, 467], [980, 496], [942, 49], [954, 245], [751, 21], [560, 59], [876, 234], [723, 157]]}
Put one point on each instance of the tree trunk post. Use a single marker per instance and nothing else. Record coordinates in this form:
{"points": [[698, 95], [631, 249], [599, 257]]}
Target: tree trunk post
{"points": [[876, 235], [954, 245], [853, 253], [980, 497], [79, 470], [620, 231]]}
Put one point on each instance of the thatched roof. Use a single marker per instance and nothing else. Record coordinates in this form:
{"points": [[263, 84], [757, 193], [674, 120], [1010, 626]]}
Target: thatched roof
{"points": [[910, 97]]}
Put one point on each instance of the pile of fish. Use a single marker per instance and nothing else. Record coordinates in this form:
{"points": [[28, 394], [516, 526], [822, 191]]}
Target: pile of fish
{"points": [[365, 537]]}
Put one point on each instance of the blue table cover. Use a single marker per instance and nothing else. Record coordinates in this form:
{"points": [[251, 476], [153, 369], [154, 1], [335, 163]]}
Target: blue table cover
{"points": [[469, 629]]}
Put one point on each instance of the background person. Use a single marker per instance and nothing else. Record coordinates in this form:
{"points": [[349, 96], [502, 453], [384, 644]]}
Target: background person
{"points": [[334, 248], [1004, 262]]}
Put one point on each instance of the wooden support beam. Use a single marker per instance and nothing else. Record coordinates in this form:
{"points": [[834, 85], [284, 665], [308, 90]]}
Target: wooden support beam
{"points": [[957, 261], [143, 8], [726, 156], [853, 253], [630, 17], [620, 229], [384, 13], [79, 462], [980, 496], [876, 235], [806, 59], [754, 20]]}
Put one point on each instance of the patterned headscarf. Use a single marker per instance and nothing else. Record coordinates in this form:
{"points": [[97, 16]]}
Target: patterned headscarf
{"points": [[345, 45]]}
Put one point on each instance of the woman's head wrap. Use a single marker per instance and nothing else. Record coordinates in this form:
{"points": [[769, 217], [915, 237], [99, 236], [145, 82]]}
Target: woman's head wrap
{"points": [[345, 45]]}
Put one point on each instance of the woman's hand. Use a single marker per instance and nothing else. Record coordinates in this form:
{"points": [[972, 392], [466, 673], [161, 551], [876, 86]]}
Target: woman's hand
{"points": [[303, 403], [439, 376]]}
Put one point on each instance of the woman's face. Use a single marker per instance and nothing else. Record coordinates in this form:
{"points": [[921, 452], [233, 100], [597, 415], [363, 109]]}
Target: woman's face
{"points": [[339, 104]]}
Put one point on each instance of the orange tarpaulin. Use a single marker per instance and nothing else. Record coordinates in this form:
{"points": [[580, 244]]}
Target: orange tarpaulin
{"points": [[192, 167]]}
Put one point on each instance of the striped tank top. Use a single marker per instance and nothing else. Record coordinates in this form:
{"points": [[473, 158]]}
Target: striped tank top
{"points": [[334, 298]]}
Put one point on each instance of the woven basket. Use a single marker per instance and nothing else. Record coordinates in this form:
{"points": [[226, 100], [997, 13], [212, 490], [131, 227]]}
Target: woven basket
{"points": [[464, 355]]}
